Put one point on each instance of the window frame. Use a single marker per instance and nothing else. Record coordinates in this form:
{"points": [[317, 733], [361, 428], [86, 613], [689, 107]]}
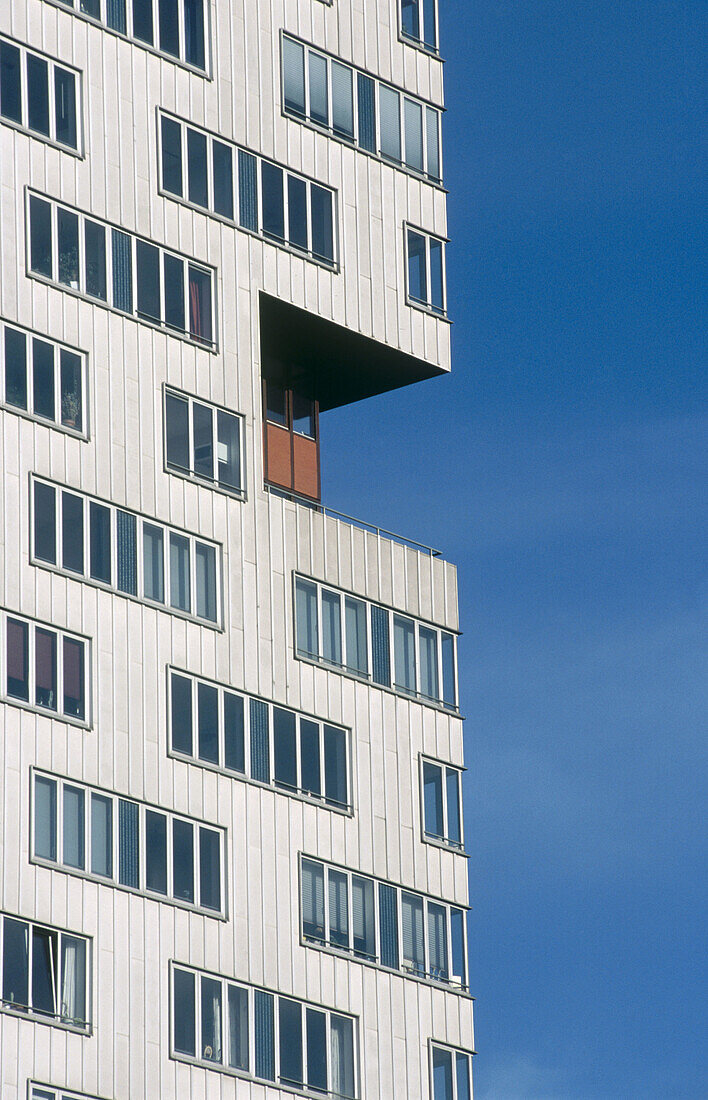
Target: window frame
{"points": [[190, 475], [28, 1012], [277, 1082], [354, 142], [206, 73], [141, 521], [429, 838], [189, 264], [60, 633], [29, 414], [113, 881], [208, 210], [325, 944], [419, 43], [411, 300], [53, 63], [455, 1052], [38, 1090], [301, 794], [344, 669]]}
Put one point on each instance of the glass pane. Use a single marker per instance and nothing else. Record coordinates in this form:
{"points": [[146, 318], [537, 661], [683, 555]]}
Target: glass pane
{"points": [[306, 618], [322, 227], [290, 1033], [272, 199], [205, 565], [73, 824], [10, 83], [234, 750], [412, 933], [316, 1023], [177, 431], [413, 120], [171, 155], [297, 212], [432, 140], [222, 157], [303, 416], [74, 692], [65, 107], [437, 942], [390, 122], [428, 648], [44, 971], [200, 305], [15, 368], [45, 522], [71, 401], [319, 111], [101, 836], [153, 563], [100, 542], [197, 168], [430, 34], [73, 980], [228, 450], [247, 191], [285, 750], [45, 659], [179, 573], [147, 259], [40, 237], [294, 76], [312, 886], [183, 860], [129, 843], [276, 405], [211, 1020], [43, 379], [417, 277], [342, 1039], [366, 103], [169, 26], [459, 954], [18, 659], [342, 100], [208, 715], [122, 265], [194, 46], [264, 1028], [260, 748], [380, 646], [338, 890], [15, 962], [448, 669], [388, 925], [209, 868], [37, 94], [127, 552], [462, 1077], [181, 714], [68, 246], [404, 653], [155, 852], [45, 818], [410, 19], [184, 1014], [202, 427], [355, 630], [173, 272], [437, 299], [238, 1028], [331, 626], [142, 21], [452, 790], [363, 926], [310, 757], [115, 12], [335, 748], [432, 798], [442, 1074]]}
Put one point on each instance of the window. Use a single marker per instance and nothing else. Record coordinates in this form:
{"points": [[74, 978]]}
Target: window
{"points": [[109, 546], [442, 814], [419, 23], [378, 923], [364, 639], [39, 95], [43, 378], [291, 439], [45, 1092], [200, 168], [251, 738], [44, 972], [43, 667], [177, 28], [451, 1074], [360, 110], [203, 442], [258, 1034], [426, 270], [86, 830], [121, 271]]}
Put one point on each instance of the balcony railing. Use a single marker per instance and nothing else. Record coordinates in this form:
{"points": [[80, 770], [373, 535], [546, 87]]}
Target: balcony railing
{"points": [[381, 532]]}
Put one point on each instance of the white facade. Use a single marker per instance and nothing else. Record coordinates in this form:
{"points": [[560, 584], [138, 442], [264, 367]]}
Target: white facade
{"points": [[119, 740]]}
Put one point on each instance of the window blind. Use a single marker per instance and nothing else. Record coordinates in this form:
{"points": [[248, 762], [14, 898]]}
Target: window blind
{"points": [[128, 844], [264, 1035], [260, 749], [380, 645], [388, 926]]}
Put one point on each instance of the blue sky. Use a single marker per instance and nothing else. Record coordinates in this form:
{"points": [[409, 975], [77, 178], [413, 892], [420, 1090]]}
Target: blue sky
{"points": [[561, 466]]}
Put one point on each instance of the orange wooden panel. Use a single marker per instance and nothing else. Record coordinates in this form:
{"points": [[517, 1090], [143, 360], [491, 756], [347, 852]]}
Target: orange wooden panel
{"points": [[306, 466], [278, 457]]}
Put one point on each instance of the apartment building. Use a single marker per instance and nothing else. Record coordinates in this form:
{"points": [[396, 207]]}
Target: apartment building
{"points": [[232, 859]]}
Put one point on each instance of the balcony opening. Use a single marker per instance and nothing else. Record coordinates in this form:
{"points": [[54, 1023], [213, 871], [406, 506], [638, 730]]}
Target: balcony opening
{"points": [[291, 442]]}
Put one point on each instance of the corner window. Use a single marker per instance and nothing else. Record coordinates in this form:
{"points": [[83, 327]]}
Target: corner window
{"points": [[43, 667], [39, 95], [425, 256], [44, 972], [203, 442], [442, 815], [419, 23], [291, 439], [451, 1072]]}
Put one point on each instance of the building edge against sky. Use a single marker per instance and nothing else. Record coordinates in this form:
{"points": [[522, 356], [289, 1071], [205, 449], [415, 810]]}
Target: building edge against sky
{"points": [[232, 853]]}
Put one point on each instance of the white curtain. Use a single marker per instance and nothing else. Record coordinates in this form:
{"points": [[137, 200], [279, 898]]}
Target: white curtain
{"points": [[342, 1056], [73, 980]]}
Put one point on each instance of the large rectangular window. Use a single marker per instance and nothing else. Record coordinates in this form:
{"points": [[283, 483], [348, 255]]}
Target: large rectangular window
{"points": [[121, 271], [379, 923], [43, 667], [40, 95], [101, 835], [203, 442], [425, 266], [122, 551], [44, 972], [201, 168], [176, 28], [248, 737], [419, 23], [451, 1074], [368, 640], [442, 804], [376, 117], [252, 1032]]}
